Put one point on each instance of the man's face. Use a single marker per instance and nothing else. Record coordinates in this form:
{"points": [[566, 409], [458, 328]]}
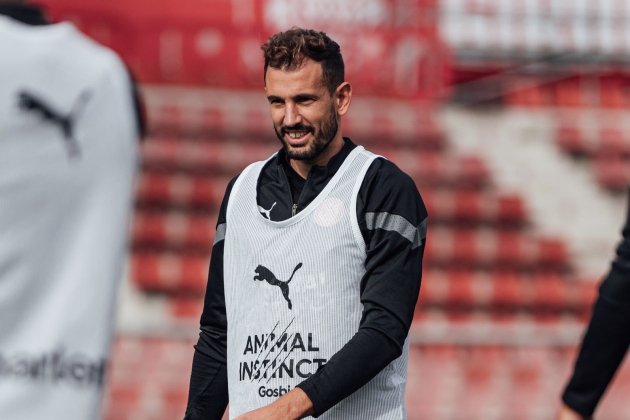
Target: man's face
{"points": [[302, 110]]}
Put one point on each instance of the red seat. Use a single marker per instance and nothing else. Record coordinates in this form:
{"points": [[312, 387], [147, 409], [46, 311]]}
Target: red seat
{"points": [[164, 117], [511, 210], [612, 142], [612, 173], [493, 292], [473, 207], [469, 206], [173, 231], [186, 308], [258, 120], [508, 249], [460, 288], [471, 172], [571, 140], [213, 120], [569, 93], [613, 92], [170, 272], [550, 291], [180, 190], [552, 252], [529, 93]]}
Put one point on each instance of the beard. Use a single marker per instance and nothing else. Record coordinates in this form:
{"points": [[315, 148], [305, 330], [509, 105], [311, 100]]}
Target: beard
{"points": [[320, 142]]}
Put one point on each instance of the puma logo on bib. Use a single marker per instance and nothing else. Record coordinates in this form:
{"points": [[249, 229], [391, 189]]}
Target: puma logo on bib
{"points": [[263, 273], [32, 103]]}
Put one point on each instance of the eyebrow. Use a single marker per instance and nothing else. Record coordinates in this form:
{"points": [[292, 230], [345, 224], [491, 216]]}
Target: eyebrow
{"points": [[272, 98], [305, 97], [298, 98]]}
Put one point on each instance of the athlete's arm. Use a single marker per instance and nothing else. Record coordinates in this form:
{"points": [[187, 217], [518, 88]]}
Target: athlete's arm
{"points": [[607, 337], [389, 289], [208, 394]]}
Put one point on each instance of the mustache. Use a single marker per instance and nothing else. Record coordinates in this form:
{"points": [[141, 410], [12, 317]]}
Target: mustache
{"points": [[297, 127]]}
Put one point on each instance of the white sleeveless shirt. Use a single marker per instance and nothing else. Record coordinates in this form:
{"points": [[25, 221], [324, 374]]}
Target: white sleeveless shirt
{"points": [[292, 295], [65, 203]]}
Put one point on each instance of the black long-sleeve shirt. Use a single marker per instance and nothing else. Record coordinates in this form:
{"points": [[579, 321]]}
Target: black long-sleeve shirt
{"points": [[608, 335], [389, 289]]}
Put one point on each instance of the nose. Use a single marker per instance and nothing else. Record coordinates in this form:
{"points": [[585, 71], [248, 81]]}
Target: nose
{"points": [[291, 115]]}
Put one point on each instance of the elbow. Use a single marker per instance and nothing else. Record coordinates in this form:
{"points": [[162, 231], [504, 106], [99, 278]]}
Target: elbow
{"points": [[397, 353], [389, 343]]}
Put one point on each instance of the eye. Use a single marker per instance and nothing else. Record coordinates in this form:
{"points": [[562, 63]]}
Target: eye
{"points": [[305, 100]]}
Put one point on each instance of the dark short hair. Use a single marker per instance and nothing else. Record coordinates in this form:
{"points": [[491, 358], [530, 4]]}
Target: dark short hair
{"points": [[287, 51]]}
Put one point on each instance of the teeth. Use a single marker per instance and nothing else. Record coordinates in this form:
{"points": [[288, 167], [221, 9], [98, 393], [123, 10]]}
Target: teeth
{"points": [[296, 134]]}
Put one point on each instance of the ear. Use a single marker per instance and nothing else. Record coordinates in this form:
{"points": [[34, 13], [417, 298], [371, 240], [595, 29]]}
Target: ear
{"points": [[343, 97]]}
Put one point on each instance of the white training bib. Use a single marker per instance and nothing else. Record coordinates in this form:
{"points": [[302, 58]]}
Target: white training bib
{"points": [[292, 295], [68, 157]]}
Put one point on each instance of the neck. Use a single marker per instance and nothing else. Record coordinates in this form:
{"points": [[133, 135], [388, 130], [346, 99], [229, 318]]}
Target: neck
{"points": [[303, 167]]}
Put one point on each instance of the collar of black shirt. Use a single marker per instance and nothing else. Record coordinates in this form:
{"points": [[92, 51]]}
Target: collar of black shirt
{"points": [[304, 191], [25, 13], [326, 171]]}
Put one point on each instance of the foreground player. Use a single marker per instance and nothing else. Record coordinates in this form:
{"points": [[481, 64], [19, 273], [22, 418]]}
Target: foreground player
{"points": [[68, 157], [607, 338], [316, 264]]}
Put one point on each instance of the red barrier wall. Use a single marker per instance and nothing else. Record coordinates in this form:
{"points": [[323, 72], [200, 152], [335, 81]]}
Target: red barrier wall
{"points": [[391, 47]]}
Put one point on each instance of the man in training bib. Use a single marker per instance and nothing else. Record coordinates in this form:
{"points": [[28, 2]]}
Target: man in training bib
{"points": [[316, 263]]}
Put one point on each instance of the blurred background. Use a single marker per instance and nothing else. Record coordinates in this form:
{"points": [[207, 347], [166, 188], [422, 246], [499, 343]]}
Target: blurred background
{"points": [[511, 116]]}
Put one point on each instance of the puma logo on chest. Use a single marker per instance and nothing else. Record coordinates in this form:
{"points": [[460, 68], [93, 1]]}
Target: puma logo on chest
{"points": [[263, 273]]}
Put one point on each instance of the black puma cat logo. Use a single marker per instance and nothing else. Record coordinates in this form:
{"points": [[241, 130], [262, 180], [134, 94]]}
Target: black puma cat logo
{"points": [[30, 102], [263, 273]]}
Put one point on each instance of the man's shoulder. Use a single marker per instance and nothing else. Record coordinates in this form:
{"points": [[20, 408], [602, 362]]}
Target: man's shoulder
{"points": [[268, 172], [102, 59], [387, 188], [385, 173]]}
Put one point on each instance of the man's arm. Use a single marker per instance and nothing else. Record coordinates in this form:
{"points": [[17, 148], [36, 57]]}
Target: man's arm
{"points": [[392, 218], [208, 394], [607, 338]]}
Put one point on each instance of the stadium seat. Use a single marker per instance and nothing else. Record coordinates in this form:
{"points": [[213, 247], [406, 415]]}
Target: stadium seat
{"points": [[571, 140], [569, 93], [504, 291], [612, 173], [170, 272], [176, 230], [177, 190], [612, 141]]}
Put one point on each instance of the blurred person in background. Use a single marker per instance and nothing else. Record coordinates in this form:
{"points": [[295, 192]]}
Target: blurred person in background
{"points": [[606, 340], [69, 129], [316, 264]]}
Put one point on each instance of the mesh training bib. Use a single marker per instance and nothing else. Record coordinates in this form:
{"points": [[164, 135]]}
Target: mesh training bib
{"points": [[68, 158], [292, 295]]}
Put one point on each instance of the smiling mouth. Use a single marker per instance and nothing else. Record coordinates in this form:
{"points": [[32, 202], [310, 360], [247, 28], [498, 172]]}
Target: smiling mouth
{"points": [[297, 134]]}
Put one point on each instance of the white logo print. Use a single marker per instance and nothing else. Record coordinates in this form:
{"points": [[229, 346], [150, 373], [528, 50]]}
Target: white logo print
{"points": [[267, 213], [329, 212]]}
